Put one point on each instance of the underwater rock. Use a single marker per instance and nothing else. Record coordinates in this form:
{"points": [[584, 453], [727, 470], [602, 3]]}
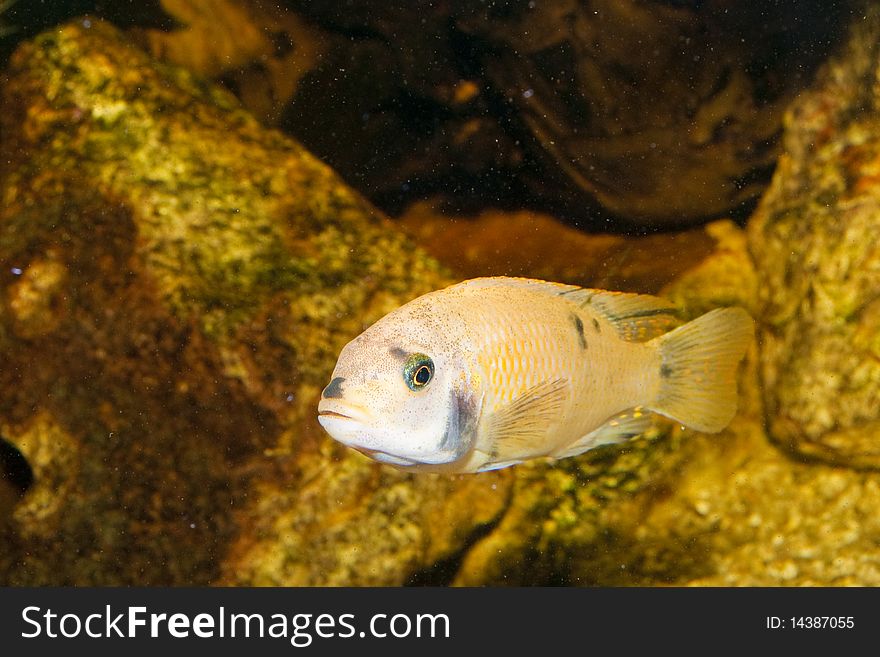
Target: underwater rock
{"points": [[567, 112], [175, 284], [591, 85], [340, 521], [260, 51], [491, 244], [511, 102], [814, 241], [211, 38]]}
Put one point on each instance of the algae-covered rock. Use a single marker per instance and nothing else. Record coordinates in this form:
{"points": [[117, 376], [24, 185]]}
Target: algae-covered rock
{"points": [[176, 283], [814, 239]]}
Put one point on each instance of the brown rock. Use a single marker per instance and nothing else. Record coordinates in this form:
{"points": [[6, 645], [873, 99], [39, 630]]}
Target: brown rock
{"points": [[176, 283], [536, 245], [813, 239]]}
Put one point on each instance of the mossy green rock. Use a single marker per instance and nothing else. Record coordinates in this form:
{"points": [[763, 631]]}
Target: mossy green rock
{"points": [[176, 283], [814, 238]]}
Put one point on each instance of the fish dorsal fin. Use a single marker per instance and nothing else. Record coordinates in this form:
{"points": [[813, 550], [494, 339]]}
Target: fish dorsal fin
{"points": [[636, 317], [525, 419], [621, 427]]}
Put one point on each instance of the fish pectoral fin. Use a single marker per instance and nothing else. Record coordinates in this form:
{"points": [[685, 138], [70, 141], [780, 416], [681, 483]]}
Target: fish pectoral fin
{"points": [[628, 424], [636, 317], [523, 422]]}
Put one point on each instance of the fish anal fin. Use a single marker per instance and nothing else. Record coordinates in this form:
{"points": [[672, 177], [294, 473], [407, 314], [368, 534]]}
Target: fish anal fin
{"points": [[488, 467], [619, 428], [522, 423]]}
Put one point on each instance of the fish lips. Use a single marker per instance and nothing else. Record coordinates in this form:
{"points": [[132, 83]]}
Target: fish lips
{"points": [[331, 410]]}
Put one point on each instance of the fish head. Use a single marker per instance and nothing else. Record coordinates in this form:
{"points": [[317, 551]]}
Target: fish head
{"points": [[401, 395]]}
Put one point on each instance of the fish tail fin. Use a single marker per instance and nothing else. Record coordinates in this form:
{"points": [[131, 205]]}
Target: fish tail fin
{"points": [[698, 369]]}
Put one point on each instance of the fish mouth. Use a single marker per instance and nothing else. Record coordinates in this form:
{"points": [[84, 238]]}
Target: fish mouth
{"points": [[334, 414], [334, 409], [349, 424]]}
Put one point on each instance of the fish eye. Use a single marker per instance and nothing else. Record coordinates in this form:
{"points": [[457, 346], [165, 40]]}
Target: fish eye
{"points": [[418, 371]]}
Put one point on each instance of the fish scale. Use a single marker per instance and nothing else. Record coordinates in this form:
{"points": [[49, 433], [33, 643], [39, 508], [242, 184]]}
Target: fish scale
{"points": [[536, 340]]}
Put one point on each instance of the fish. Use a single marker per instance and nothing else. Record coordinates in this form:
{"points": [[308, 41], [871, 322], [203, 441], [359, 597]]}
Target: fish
{"points": [[495, 371]]}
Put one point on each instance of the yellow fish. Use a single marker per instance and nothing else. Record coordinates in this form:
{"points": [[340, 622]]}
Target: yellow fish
{"points": [[495, 371]]}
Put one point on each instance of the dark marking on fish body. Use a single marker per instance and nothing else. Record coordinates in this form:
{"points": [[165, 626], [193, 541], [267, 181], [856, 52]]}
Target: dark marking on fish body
{"points": [[651, 312], [665, 371], [596, 325], [461, 426], [333, 389], [397, 352], [579, 327]]}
